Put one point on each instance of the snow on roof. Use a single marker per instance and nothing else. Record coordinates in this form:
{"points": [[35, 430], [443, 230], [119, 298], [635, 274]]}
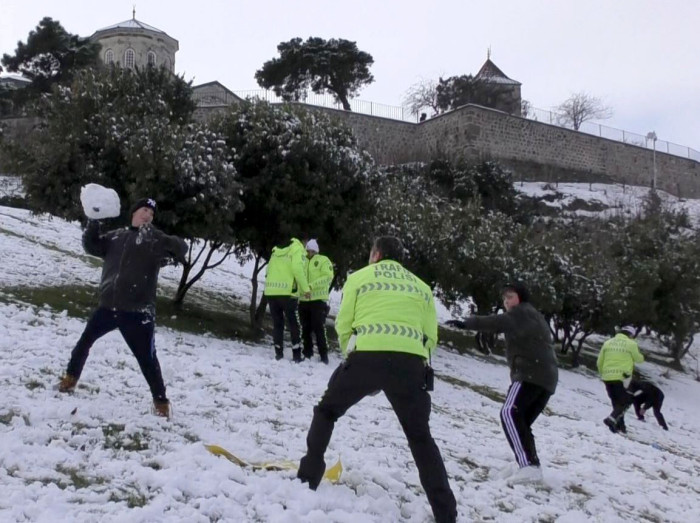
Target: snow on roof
{"points": [[131, 23], [491, 73]]}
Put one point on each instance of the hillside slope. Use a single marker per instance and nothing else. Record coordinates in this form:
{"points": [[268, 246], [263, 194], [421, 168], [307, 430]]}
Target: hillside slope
{"points": [[100, 455]]}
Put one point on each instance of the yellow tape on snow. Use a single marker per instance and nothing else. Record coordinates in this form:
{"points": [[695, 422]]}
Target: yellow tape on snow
{"points": [[332, 474]]}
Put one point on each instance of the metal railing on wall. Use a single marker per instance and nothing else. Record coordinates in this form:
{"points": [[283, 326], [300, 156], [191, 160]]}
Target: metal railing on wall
{"points": [[322, 100], [611, 133], [404, 114]]}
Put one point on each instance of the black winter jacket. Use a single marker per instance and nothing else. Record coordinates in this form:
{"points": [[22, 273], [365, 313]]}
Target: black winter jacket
{"points": [[645, 394], [529, 348], [132, 259]]}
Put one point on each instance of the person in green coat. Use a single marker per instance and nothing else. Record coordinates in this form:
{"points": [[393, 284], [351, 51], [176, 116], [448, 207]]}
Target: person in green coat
{"points": [[313, 311], [616, 365], [284, 278], [387, 329]]}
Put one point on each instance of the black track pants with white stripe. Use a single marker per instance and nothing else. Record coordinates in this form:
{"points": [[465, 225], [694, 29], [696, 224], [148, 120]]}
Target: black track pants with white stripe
{"points": [[524, 402]]}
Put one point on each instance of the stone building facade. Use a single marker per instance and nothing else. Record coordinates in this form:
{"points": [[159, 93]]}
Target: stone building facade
{"points": [[133, 43]]}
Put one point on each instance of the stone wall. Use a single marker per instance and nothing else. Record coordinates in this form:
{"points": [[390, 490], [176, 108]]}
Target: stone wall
{"points": [[535, 151], [539, 151]]}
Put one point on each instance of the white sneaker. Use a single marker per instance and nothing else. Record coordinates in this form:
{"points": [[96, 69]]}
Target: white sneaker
{"points": [[529, 474], [504, 472]]}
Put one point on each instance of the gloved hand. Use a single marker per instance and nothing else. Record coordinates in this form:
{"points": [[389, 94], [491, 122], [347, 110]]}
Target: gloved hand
{"points": [[456, 323]]}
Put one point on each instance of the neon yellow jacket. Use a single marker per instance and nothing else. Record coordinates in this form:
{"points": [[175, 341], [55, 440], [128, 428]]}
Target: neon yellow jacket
{"points": [[286, 265], [319, 274], [389, 309], [617, 358]]}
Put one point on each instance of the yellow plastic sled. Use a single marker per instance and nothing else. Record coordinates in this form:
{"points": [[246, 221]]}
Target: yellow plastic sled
{"points": [[332, 474]]}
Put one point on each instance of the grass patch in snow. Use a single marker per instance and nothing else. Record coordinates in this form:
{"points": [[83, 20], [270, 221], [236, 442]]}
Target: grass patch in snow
{"points": [[131, 495], [77, 479], [116, 438], [484, 390], [197, 318], [6, 418]]}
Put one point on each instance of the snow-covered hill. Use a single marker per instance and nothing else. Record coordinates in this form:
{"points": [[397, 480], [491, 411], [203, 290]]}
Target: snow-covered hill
{"points": [[100, 455]]}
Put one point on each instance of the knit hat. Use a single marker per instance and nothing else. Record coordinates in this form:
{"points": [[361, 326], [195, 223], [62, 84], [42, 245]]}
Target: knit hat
{"points": [[519, 289], [312, 245], [143, 202], [629, 330]]}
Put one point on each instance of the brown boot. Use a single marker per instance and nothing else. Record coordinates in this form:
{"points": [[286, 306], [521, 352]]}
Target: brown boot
{"points": [[162, 408], [67, 383]]}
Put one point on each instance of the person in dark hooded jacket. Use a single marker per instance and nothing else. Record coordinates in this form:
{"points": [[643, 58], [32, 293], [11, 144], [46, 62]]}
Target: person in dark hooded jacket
{"points": [[533, 373], [645, 396], [132, 258]]}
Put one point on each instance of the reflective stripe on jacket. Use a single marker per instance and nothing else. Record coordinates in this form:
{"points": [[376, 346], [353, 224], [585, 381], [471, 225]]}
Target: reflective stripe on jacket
{"points": [[286, 267], [319, 274], [389, 309]]}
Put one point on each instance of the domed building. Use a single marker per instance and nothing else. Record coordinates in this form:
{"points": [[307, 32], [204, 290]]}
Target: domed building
{"points": [[134, 44]]}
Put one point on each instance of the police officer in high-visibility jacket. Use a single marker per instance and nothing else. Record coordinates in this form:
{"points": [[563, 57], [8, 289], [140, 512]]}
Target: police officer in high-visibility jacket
{"points": [[616, 365], [387, 327], [313, 311], [284, 280]]}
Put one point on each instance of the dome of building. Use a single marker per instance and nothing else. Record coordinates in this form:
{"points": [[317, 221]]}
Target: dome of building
{"points": [[133, 43]]}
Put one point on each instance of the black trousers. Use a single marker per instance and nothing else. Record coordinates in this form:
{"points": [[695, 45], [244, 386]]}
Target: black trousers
{"points": [[642, 401], [282, 307], [137, 328], [313, 325], [402, 378], [621, 400], [524, 403]]}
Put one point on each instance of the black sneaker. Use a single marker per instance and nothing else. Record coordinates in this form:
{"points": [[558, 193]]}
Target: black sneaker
{"points": [[296, 356], [611, 424], [324, 358]]}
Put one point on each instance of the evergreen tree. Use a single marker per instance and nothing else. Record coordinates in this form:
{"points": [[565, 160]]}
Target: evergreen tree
{"points": [[51, 55], [336, 66], [128, 130], [302, 175]]}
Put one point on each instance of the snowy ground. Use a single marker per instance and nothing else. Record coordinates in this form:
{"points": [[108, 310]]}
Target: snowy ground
{"points": [[100, 455], [612, 199]]}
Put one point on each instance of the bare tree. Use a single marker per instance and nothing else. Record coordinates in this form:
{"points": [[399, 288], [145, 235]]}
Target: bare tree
{"points": [[581, 107], [422, 96]]}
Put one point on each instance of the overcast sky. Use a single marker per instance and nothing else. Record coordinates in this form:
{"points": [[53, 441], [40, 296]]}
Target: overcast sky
{"points": [[642, 57]]}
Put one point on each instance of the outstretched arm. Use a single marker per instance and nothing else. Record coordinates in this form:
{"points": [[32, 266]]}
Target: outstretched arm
{"points": [[170, 246], [177, 248], [94, 242], [493, 323]]}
